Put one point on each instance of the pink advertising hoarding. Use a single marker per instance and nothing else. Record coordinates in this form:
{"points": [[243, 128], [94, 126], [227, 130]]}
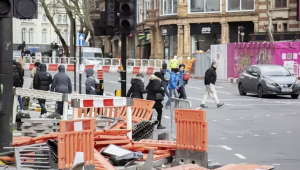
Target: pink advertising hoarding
{"points": [[240, 55]]}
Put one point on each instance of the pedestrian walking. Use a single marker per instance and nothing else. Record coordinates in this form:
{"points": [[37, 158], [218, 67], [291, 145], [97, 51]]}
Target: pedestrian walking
{"points": [[137, 88], [18, 80], [90, 83], [34, 71], [174, 63], [62, 84], [156, 93], [22, 60], [166, 77], [173, 86], [210, 81], [42, 81], [183, 80]]}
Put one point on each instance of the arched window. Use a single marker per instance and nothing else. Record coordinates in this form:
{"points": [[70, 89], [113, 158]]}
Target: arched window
{"points": [[44, 18], [44, 36], [59, 19], [30, 35], [23, 34], [66, 36], [64, 19]]}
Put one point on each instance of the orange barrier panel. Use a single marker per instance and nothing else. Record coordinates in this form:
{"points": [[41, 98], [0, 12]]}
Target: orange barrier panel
{"points": [[101, 163], [141, 110], [245, 167], [71, 132], [110, 137], [112, 132], [191, 129], [107, 142], [104, 111], [105, 69], [187, 167], [52, 67], [156, 157], [158, 143], [70, 67]]}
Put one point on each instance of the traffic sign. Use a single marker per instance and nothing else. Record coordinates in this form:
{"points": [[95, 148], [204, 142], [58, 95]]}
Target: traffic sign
{"points": [[80, 39]]}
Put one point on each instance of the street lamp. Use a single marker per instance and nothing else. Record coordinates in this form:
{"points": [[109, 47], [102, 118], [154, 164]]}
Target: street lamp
{"points": [[240, 29]]}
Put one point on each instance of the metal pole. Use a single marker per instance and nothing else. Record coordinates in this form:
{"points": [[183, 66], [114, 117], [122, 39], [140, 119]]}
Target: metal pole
{"points": [[239, 35], [123, 61], [6, 72], [80, 74], [75, 59]]}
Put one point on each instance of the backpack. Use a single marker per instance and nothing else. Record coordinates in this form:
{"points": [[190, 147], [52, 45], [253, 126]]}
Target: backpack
{"points": [[16, 77], [167, 75], [186, 76]]}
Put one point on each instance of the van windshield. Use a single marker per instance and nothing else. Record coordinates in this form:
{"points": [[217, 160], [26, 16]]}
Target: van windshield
{"points": [[92, 54]]}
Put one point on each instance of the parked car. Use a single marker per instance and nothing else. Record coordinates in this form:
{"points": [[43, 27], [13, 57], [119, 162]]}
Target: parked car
{"points": [[268, 80]]}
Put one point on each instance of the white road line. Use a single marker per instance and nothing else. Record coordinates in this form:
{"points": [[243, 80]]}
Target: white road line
{"points": [[241, 117], [227, 119], [288, 132], [194, 87], [293, 113], [223, 92], [239, 136], [281, 114], [273, 133], [113, 82], [167, 117], [222, 138], [219, 87], [254, 116], [227, 148], [256, 135], [214, 120], [268, 115], [240, 156], [276, 164]]}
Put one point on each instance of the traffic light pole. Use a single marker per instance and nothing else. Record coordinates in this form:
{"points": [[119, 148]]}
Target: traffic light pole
{"points": [[80, 73], [75, 59], [6, 71], [123, 61]]}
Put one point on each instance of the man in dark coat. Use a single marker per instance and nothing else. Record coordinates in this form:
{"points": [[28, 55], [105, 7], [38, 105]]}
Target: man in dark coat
{"points": [[61, 84], [90, 83], [154, 88], [137, 88], [42, 80], [210, 81]]}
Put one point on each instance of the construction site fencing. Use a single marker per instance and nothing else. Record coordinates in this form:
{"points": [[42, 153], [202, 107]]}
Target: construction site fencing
{"points": [[177, 104], [202, 63]]}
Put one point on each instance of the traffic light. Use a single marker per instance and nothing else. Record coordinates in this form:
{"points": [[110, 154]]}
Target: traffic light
{"points": [[6, 8], [127, 20], [26, 9], [110, 13]]}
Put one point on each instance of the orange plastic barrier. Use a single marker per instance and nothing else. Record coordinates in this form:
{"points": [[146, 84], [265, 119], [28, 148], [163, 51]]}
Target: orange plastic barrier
{"points": [[105, 111], [245, 167], [101, 163], [187, 167], [112, 132], [191, 129], [70, 133], [141, 110], [158, 143]]}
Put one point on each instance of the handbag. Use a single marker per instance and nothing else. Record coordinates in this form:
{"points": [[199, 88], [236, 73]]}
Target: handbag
{"points": [[159, 96]]}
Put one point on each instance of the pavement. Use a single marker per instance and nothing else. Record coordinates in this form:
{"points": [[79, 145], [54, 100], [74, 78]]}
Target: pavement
{"points": [[246, 130]]}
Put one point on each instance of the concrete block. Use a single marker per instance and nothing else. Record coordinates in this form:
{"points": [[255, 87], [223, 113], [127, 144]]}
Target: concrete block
{"points": [[191, 157]]}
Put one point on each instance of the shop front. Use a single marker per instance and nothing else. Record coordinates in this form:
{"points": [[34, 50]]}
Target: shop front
{"points": [[144, 45], [204, 35], [169, 34]]}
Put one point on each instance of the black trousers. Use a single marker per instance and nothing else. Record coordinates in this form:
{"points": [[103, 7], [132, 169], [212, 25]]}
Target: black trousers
{"points": [[159, 115], [42, 103]]}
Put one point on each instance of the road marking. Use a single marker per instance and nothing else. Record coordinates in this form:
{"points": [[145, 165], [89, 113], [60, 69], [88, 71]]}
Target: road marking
{"points": [[268, 115], [288, 132], [227, 148], [194, 87], [254, 116], [219, 87], [227, 119], [276, 164], [273, 133], [281, 114], [113, 82], [223, 92], [241, 117], [214, 120], [256, 135], [239, 136], [222, 138], [167, 117], [293, 113], [240, 156]]}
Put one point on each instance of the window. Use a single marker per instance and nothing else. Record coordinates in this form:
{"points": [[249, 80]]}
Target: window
{"points": [[59, 18], [168, 7], [30, 35], [44, 36], [205, 6], [280, 3], [285, 27], [139, 11], [64, 20], [23, 34], [240, 5], [44, 18], [147, 7], [66, 35], [274, 27]]}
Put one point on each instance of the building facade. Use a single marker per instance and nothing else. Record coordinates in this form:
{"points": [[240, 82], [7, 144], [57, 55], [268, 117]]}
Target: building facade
{"points": [[39, 33]]}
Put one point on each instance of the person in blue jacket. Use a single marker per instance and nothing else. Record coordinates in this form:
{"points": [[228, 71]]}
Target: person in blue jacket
{"points": [[173, 86]]}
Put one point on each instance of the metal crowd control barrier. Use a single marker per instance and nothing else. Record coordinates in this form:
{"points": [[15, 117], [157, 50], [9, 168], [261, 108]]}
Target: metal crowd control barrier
{"points": [[177, 104], [105, 102]]}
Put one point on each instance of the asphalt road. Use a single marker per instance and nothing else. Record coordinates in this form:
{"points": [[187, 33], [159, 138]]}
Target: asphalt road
{"points": [[247, 130]]}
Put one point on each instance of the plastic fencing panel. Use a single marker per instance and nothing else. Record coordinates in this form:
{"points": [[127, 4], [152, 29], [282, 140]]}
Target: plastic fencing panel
{"points": [[177, 104], [71, 132], [191, 129], [202, 63]]}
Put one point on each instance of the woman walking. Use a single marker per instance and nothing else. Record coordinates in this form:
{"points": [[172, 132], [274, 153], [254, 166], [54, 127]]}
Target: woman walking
{"points": [[156, 93]]}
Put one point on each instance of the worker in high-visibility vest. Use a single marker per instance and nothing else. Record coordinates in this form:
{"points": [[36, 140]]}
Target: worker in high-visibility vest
{"points": [[174, 63]]}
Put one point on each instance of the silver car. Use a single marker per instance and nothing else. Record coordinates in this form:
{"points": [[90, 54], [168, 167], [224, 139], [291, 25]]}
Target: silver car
{"points": [[268, 80]]}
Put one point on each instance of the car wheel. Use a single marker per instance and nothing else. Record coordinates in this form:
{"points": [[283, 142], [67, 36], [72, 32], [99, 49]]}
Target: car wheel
{"points": [[260, 92], [295, 96], [241, 90]]}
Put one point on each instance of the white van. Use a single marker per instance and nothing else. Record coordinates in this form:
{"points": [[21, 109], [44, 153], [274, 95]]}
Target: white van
{"points": [[91, 55]]}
